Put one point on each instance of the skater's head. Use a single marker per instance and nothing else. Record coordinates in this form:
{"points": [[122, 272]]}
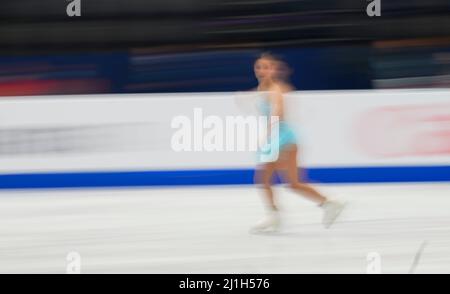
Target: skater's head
{"points": [[271, 68], [265, 68]]}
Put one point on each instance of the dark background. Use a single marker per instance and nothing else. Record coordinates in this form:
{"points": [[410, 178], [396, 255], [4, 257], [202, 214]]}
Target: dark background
{"points": [[196, 45]]}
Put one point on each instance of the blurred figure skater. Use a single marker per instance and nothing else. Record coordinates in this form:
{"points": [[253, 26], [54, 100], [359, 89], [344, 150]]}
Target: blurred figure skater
{"points": [[273, 82]]}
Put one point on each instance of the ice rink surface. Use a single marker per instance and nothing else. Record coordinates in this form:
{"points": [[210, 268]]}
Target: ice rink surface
{"points": [[205, 230]]}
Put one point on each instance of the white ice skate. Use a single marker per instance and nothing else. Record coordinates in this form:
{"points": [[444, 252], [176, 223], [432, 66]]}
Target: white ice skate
{"points": [[271, 223], [332, 209]]}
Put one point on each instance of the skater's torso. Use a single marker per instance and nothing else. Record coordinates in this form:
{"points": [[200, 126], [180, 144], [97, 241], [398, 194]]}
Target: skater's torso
{"points": [[286, 134]]}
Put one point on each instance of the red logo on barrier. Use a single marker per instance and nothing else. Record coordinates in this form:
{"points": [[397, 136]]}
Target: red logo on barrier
{"points": [[405, 131]]}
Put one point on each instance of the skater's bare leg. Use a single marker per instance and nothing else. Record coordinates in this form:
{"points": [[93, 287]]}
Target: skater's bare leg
{"points": [[272, 219], [291, 171], [264, 178]]}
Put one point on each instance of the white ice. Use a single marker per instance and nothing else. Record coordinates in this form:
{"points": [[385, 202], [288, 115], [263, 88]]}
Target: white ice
{"points": [[205, 230]]}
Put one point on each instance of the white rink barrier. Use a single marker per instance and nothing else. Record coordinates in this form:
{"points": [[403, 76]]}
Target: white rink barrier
{"points": [[125, 140]]}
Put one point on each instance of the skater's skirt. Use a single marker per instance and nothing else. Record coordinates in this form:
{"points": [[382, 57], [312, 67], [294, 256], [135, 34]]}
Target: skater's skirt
{"points": [[286, 137]]}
